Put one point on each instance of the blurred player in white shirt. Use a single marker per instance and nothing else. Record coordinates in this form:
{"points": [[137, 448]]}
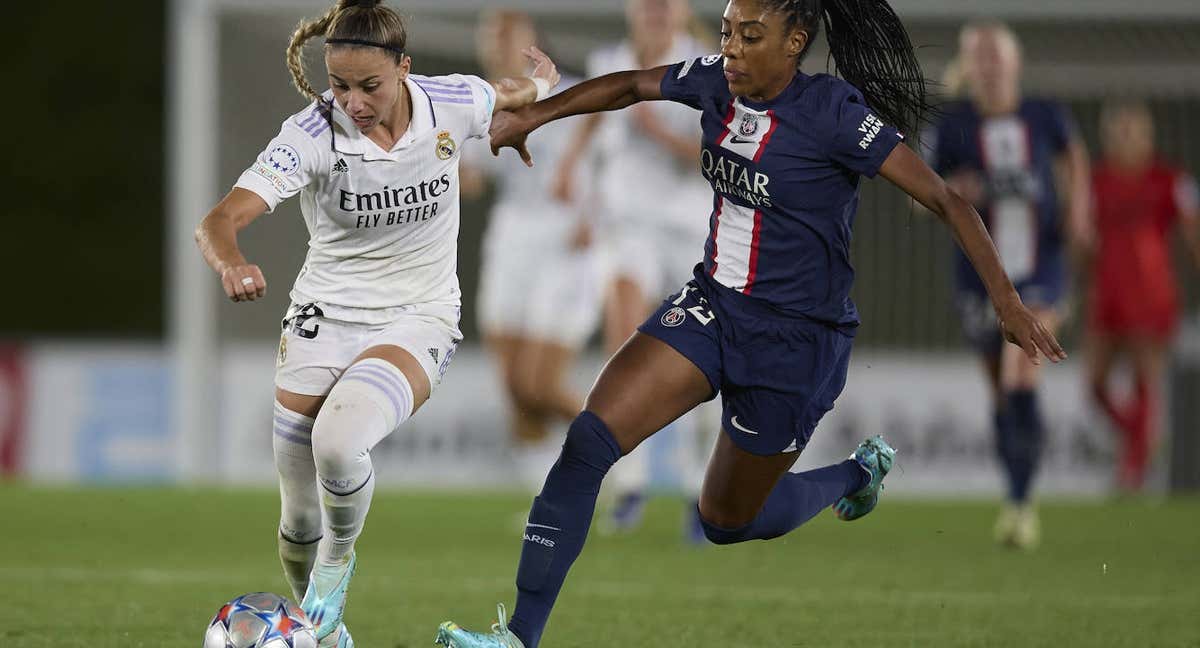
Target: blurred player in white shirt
{"points": [[540, 285], [648, 199], [374, 316]]}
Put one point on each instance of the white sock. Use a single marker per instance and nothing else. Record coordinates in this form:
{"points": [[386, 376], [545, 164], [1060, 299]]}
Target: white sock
{"points": [[369, 401], [299, 497]]}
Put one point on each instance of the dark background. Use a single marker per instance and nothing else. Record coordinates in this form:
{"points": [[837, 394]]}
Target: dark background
{"points": [[83, 252]]}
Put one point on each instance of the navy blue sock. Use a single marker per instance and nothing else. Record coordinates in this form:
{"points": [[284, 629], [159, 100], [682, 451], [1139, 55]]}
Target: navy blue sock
{"points": [[1005, 440], [794, 500], [1025, 445], [558, 523]]}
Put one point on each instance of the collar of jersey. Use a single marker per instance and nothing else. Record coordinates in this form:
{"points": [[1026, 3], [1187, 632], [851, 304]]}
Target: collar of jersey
{"points": [[794, 88], [352, 142]]}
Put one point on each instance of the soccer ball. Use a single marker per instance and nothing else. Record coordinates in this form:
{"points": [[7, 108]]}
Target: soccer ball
{"points": [[260, 620]]}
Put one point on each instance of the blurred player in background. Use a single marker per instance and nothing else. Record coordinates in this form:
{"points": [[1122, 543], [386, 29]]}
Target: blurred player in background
{"points": [[540, 284], [1004, 153], [1139, 199], [767, 320], [641, 151], [374, 320]]}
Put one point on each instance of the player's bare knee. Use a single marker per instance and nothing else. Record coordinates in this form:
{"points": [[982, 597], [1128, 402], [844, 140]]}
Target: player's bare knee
{"points": [[526, 395], [722, 517]]}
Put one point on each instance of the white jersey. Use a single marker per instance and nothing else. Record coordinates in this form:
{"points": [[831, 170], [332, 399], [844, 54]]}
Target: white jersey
{"points": [[523, 193], [383, 225], [636, 169]]}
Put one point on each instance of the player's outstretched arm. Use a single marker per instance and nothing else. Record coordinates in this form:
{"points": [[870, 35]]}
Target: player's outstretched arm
{"points": [[907, 171], [609, 92], [217, 237], [522, 91]]}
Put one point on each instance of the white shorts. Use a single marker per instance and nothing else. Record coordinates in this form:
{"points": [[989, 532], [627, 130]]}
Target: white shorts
{"points": [[535, 285], [659, 260], [314, 350]]}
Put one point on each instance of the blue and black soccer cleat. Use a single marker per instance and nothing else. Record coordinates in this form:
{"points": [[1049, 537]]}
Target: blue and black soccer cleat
{"points": [[876, 457], [452, 636]]}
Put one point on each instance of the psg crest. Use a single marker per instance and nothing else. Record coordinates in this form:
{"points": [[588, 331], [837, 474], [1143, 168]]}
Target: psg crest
{"points": [[749, 125], [674, 317], [445, 146]]}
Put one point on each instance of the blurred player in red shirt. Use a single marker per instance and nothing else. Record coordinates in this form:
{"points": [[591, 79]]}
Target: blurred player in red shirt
{"points": [[1134, 306]]}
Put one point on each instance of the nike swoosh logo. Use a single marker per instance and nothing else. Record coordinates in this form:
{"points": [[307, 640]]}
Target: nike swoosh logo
{"points": [[737, 140], [743, 429], [542, 526]]}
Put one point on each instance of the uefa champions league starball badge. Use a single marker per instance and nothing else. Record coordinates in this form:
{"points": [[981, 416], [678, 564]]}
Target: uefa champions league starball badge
{"points": [[445, 146]]}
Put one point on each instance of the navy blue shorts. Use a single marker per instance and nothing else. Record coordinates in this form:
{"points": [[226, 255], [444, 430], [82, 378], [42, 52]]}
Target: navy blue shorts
{"points": [[1045, 289], [777, 375]]}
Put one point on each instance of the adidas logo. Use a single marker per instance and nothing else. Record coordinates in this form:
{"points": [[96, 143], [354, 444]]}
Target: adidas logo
{"points": [[434, 353], [341, 166]]}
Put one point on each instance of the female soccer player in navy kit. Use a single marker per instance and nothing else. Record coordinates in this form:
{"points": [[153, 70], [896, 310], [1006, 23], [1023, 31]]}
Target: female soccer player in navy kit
{"points": [[999, 151], [767, 321]]}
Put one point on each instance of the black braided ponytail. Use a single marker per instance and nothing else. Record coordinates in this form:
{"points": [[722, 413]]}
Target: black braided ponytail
{"points": [[870, 49]]}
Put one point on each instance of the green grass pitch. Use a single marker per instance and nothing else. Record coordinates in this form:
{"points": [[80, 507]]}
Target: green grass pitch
{"points": [[148, 567]]}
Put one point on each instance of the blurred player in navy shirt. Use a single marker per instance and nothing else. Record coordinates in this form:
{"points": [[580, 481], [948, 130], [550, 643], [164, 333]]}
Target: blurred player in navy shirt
{"points": [[1000, 151], [767, 320]]}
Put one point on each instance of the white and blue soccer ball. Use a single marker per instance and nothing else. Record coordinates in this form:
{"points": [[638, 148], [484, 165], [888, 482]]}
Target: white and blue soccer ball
{"points": [[260, 620]]}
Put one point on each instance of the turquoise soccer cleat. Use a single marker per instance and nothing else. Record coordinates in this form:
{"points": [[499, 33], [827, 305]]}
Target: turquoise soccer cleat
{"points": [[339, 639], [452, 636], [876, 457], [325, 600]]}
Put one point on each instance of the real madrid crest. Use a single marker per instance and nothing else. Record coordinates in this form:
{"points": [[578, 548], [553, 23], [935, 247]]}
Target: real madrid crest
{"points": [[445, 146], [282, 357]]}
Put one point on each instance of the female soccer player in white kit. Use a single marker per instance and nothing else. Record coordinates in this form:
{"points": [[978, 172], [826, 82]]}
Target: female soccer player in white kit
{"points": [[374, 320], [540, 284], [642, 151]]}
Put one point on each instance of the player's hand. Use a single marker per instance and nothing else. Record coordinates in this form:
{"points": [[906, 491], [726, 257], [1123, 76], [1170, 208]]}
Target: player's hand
{"points": [[543, 67], [1022, 328], [510, 130], [243, 282]]}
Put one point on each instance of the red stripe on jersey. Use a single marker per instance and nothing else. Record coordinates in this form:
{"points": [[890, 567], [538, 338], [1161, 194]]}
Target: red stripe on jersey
{"points": [[716, 225], [762, 146], [728, 121], [754, 243]]}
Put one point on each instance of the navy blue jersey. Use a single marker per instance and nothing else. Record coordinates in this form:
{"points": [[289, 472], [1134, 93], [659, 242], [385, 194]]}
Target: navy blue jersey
{"points": [[785, 178], [1013, 155]]}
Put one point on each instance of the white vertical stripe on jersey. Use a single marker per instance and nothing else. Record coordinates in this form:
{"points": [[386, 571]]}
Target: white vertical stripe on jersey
{"points": [[1005, 146], [736, 246]]}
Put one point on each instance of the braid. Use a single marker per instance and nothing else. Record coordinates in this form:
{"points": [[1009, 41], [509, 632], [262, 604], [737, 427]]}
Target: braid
{"points": [[348, 19], [870, 49], [295, 50]]}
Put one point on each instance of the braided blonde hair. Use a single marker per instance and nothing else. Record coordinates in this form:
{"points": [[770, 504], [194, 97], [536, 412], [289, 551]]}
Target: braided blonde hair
{"points": [[364, 20]]}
